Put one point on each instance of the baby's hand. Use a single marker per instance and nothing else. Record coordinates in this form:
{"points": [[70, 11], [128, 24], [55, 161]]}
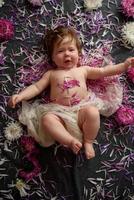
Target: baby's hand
{"points": [[129, 62], [14, 100]]}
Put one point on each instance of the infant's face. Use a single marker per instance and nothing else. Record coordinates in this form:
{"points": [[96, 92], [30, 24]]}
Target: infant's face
{"points": [[65, 54]]}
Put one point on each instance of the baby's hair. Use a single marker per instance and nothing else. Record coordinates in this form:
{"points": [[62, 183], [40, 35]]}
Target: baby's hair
{"points": [[53, 36]]}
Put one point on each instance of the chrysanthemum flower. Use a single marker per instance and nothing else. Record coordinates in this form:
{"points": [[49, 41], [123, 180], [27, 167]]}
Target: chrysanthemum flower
{"points": [[125, 115], [93, 4], [29, 144], [6, 29], [28, 175], [1, 3], [128, 7], [128, 34], [13, 131], [22, 187]]}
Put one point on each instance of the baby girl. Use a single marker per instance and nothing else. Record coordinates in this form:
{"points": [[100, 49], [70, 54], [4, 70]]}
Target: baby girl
{"points": [[72, 118]]}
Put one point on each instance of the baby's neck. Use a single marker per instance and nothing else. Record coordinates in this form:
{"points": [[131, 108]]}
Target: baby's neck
{"points": [[66, 69]]}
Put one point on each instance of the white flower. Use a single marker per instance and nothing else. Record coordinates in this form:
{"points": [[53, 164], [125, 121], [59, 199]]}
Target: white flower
{"points": [[1, 3], [128, 34], [93, 4], [22, 187], [13, 131]]}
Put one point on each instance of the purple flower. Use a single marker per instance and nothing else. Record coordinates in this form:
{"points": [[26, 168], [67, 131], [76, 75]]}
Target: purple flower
{"points": [[28, 143]]}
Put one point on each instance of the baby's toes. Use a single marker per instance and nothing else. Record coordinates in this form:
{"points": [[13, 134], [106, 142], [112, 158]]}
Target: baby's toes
{"points": [[77, 147]]}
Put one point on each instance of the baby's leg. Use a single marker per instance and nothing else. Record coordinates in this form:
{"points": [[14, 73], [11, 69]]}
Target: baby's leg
{"points": [[89, 122], [55, 127]]}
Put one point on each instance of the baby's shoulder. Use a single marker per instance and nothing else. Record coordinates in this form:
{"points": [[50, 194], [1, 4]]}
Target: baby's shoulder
{"points": [[47, 73], [54, 73], [82, 68]]}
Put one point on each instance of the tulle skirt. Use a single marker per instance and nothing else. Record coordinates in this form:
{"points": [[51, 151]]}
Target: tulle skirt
{"points": [[31, 114]]}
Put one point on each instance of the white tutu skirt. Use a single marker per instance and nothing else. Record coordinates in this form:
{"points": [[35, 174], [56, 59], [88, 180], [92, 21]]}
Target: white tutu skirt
{"points": [[31, 114]]}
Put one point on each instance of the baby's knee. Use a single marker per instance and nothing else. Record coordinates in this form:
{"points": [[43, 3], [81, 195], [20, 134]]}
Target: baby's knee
{"points": [[92, 113], [46, 119]]}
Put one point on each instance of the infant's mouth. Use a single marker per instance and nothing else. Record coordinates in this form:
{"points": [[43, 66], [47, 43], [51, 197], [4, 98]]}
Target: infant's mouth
{"points": [[67, 61]]}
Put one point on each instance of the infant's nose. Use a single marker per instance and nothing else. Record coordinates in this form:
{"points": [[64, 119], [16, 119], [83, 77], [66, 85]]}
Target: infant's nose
{"points": [[67, 52]]}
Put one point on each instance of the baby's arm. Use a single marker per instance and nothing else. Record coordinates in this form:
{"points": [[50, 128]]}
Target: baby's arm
{"points": [[31, 91], [109, 70]]}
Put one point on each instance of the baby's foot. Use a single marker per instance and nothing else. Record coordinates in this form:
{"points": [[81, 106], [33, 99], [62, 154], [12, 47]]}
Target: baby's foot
{"points": [[75, 145], [89, 150]]}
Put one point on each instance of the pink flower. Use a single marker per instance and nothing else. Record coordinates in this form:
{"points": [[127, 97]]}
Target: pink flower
{"points": [[28, 143], [130, 74], [28, 175], [128, 7], [125, 115], [6, 30]]}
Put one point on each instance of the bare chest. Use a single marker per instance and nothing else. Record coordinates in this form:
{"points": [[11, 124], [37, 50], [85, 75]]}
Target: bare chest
{"points": [[67, 80]]}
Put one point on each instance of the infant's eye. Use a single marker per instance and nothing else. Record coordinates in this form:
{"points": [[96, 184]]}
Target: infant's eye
{"points": [[72, 49], [60, 50]]}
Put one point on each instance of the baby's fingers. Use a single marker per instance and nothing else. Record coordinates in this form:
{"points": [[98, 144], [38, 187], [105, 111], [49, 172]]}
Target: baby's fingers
{"points": [[12, 102]]}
